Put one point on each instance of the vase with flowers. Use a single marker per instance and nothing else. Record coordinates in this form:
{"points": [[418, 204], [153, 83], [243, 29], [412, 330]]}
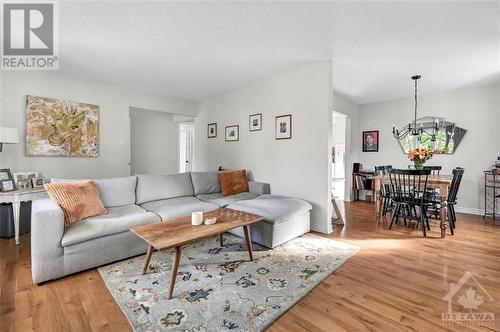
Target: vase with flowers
{"points": [[419, 156]]}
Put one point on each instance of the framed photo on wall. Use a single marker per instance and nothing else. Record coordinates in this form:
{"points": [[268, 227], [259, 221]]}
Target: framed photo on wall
{"points": [[232, 133], [255, 122], [283, 127], [370, 141], [212, 130]]}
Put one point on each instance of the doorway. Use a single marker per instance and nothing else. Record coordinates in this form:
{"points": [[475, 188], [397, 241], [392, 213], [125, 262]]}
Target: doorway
{"points": [[159, 140]]}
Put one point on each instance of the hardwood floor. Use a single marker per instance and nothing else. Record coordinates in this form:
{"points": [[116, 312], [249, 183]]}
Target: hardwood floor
{"points": [[396, 282]]}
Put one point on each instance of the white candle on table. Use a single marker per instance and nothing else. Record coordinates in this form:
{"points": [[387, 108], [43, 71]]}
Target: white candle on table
{"points": [[197, 218]]}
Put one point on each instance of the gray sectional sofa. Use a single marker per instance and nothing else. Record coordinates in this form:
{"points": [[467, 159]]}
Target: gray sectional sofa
{"points": [[131, 201]]}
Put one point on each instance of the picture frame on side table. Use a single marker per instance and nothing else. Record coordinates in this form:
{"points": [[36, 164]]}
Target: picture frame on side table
{"points": [[283, 127], [232, 133], [38, 182], [370, 141], [23, 179], [5, 174], [7, 185], [255, 122], [212, 130]]}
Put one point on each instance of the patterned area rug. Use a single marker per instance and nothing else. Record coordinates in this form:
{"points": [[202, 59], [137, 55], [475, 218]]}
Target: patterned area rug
{"points": [[218, 288]]}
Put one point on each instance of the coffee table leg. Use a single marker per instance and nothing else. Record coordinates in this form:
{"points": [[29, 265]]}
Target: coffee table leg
{"points": [[246, 229], [221, 240], [173, 273], [147, 259]]}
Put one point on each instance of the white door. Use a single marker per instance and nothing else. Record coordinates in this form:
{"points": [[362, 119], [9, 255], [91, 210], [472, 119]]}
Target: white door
{"points": [[186, 147]]}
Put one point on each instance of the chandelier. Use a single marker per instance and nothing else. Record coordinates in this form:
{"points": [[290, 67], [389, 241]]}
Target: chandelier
{"points": [[413, 129]]}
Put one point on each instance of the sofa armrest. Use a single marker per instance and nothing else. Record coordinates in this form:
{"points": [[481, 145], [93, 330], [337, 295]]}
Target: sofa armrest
{"points": [[260, 188], [47, 229]]}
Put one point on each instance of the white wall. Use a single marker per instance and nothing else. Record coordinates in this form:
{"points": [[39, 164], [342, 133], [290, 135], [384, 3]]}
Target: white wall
{"points": [[352, 144], [114, 101], [154, 143], [476, 109], [299, 167]]}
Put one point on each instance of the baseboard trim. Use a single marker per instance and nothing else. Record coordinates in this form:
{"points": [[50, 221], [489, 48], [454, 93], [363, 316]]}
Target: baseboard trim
{"points": [[468, 210]]}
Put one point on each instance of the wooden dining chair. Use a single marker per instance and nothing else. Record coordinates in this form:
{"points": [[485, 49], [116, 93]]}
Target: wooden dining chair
{"points": [[385, 189], [451, 201], [435, 170], [408, 194]]}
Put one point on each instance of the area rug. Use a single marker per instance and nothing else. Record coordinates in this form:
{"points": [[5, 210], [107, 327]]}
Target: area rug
{"points": [[218, 288]]}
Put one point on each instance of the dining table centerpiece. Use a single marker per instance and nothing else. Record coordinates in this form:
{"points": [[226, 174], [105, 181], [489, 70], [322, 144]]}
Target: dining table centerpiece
{"points": [[419, 156]]}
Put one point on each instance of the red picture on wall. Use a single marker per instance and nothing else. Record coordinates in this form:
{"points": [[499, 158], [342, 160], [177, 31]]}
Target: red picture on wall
{"points": [[370, 141]]}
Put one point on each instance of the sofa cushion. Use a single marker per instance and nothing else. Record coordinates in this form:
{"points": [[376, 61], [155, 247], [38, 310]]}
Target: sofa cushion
{"points": [[205, 182], [119, 219], [274, 209], [157, 187], [233, 182], [78, 200], [117, 191], [178, 207], [224, 201]]}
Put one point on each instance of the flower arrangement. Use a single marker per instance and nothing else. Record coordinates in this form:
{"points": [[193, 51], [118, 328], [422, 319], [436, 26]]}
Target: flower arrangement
{"points": [[419, 156]]}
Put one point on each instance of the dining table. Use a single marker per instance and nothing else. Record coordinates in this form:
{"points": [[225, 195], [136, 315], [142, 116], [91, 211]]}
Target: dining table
{"points": [[441, 182]]}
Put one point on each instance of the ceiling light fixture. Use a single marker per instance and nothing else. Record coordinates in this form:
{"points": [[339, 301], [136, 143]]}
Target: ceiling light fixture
{"points": [[413, 129]]}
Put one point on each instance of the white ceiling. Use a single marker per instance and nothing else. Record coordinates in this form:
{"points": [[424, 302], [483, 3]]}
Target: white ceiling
{"points": [[195, 50]]}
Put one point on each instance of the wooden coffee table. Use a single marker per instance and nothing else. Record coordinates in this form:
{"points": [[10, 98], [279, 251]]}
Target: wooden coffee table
{"points": [[178, 232]]}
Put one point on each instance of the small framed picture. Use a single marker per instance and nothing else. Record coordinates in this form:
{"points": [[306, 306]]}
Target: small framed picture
{"points": [[23, 179], [212, 130], [7, 185], [284, 126], [5, 174], [38, 182], [255, 122], [232, 133], [370, 141]]}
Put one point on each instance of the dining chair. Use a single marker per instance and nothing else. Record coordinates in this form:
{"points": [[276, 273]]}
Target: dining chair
{"points": [[435, 170], [451, 200], [433, 193], [408, 194], [385, 190]]}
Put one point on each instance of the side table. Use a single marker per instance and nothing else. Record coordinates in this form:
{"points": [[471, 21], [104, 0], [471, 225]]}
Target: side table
{"points": [[16, 197]]}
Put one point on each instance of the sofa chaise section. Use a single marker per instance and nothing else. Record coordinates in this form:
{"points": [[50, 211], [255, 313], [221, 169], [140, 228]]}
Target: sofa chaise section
{"points": [[285, 218]]}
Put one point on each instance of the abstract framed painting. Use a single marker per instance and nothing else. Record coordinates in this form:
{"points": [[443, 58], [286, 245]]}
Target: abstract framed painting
{"points": [[61, 128]]}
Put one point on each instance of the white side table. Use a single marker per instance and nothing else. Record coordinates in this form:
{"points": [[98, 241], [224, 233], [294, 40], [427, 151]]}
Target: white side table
{"points": [[18, 196]]}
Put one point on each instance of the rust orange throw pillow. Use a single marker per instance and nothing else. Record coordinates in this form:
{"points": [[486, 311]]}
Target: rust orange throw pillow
{"points": [[233, 182], [79, 200]]}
